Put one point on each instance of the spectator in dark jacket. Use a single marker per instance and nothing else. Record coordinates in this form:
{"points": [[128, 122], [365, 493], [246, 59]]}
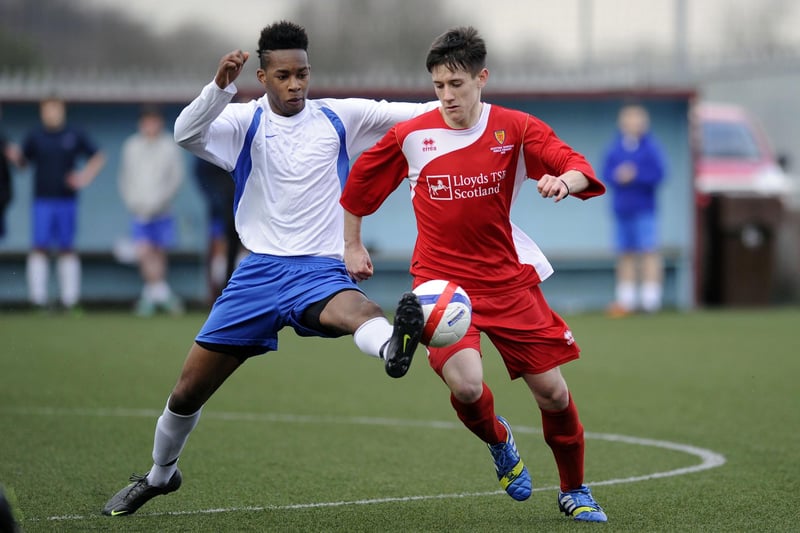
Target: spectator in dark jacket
{"points": [[56, 150], [9, 153]]}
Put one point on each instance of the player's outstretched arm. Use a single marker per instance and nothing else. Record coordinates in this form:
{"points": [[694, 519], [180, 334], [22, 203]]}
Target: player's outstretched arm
{"points": [[559, 187], [356, 256], [14, 155], [230, 66], [82, 178]]}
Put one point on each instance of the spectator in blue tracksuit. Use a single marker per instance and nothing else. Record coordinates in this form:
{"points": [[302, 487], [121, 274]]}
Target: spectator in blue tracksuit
{"points": [[633, 169]]}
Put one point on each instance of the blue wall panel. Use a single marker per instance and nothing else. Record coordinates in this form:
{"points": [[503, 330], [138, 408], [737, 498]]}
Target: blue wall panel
{"points": [[575, 235], [102, 216]]}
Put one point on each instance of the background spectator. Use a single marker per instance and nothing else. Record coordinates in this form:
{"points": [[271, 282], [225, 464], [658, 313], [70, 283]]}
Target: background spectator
{"points": [[224, 247], [150, 175], [55, 149], [9, 153], [634, 168]]}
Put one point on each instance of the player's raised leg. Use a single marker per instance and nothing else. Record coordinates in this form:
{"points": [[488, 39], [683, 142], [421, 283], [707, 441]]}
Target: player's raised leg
{"points": [[350, 311], [406, 334]]}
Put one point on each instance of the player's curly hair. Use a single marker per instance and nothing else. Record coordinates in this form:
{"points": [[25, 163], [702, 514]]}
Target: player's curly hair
{"points": [[458, 48], [283, 35]]}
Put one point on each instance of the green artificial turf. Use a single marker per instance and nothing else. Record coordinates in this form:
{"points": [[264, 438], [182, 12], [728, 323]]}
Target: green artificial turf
{"points": [[315, 437]]}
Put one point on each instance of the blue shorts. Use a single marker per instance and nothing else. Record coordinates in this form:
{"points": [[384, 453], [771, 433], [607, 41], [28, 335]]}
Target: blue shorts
{"points": [[54, 222], [637, 232], [159, 232], [266, 293]]}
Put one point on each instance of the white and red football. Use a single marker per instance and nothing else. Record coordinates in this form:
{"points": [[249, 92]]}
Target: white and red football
{"points": [[447, 310]]}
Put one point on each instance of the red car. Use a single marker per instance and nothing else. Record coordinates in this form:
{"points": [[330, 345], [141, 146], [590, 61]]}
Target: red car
{"points": [[741, 194], [733, 154]]}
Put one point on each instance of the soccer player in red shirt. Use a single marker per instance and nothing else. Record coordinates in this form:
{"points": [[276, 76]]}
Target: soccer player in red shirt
{"points": [[466, 163]]}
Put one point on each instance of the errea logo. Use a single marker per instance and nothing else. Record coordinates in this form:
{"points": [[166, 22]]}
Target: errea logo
{"points": [[428, 145], [569, 338]]}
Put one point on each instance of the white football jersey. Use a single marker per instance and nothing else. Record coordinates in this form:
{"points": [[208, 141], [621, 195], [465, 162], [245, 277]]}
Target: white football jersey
{"points": [[289, 171]]}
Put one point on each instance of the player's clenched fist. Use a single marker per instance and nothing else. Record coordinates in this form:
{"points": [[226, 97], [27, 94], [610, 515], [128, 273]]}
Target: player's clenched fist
{"points": [[229, 67], [552, 187]]}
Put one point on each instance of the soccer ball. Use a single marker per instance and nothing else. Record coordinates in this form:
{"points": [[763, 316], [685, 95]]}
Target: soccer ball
{"points": [[447, 312]]}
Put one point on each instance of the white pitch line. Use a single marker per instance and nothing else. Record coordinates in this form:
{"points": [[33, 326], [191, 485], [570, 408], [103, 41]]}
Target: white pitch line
{"points": [[708, 458]]}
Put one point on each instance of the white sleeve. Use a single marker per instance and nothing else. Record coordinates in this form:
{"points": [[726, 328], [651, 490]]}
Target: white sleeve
{"points": [[208, 130], [366, 121]]}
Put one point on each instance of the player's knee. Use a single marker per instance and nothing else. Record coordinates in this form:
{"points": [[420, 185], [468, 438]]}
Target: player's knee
{"points": [[467, 391], [366, 310], [185, 401], [553, 399], [370, 309], [342, 313]]}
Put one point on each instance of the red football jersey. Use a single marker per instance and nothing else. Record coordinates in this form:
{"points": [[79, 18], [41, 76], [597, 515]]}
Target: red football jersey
{"points": [[463, 184]]}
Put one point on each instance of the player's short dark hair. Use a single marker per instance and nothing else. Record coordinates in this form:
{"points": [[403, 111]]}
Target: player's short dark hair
{"points": [[283, 35], [458, 48], [52, 97], [151, 110]]}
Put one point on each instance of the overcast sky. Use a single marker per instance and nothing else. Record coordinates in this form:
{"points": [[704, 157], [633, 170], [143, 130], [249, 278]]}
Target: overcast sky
{"points": [[615, 23]]}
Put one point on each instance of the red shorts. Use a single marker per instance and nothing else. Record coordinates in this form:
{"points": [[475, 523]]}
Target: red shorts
{"points": [[530, 337]]}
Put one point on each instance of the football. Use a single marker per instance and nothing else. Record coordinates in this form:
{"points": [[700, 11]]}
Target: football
{"points": [[447, 310]]}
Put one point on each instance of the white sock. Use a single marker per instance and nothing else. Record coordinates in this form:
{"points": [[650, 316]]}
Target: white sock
{"points": [[651, 297], [38, 274], [145, 295], [159, 291], [69, 279], [172, 431], [626, 295], [372, 334], [218, 270]]}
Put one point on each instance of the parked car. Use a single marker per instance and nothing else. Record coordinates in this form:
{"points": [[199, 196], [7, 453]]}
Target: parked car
{"points": [[733, 154], [743, 196]]}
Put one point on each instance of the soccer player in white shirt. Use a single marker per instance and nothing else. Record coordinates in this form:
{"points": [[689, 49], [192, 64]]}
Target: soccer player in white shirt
{"points": [[289, 158]]}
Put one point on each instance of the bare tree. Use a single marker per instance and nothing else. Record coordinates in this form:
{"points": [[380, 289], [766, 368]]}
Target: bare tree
{"points": [[382, 39], [761, 28], [60, 35], [387, 41]]}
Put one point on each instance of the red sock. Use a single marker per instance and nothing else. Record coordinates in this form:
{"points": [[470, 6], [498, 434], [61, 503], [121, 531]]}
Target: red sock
{"points": [[479, 417], [563, 432]]}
